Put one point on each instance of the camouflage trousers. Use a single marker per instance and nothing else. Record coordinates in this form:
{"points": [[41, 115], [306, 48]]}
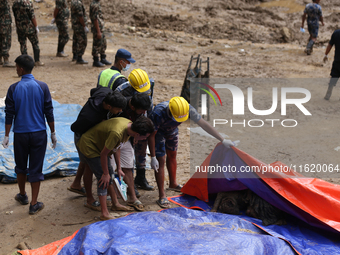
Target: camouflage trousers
{"points": [[79, 42], [5, 41], [99, 45], [140, 153], [63, 33], [33, 38]]}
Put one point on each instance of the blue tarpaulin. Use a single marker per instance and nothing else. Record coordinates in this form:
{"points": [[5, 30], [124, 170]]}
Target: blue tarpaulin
{"points": [[176, 231], [62, 161], [304, 238]]}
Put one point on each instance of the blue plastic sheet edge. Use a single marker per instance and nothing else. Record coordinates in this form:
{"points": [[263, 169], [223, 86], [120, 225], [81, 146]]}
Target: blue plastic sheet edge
{"points": [[63, 161]]}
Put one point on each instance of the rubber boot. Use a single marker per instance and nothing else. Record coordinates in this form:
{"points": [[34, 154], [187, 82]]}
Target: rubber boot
{"points": [[329, 92], [309, 47], [97, 63], [141, 181], [81, 61], [104, 61], [7, 63], [37, 58]]}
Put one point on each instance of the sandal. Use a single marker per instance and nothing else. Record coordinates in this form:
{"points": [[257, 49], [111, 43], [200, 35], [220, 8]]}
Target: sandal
{"points": [[137, 205], [163, 203], [177, 189], [80, 191], [95, 206]]}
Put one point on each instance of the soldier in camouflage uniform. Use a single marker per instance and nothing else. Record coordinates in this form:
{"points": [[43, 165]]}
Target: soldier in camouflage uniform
{"points": [[61, 15], [5, 33], [99, 40], [79, 26], [27, 27]]}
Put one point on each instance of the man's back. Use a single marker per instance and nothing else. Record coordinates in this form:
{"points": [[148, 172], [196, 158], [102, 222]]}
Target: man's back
{"points": [[93, 112], [314, 13], [64, 12], [77, 11], [5, 15], [335, 40], [23, 13], [110, 133], [26, 103]]}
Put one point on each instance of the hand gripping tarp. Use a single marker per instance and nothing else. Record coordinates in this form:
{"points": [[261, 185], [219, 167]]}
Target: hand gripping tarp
{"points": [[63, 160]]}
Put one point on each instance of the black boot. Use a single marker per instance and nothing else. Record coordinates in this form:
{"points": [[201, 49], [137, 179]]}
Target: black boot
{"points": [[309, 48], [97, 63], [104, 61], [141, 181], [81, 61], [74, 58]]}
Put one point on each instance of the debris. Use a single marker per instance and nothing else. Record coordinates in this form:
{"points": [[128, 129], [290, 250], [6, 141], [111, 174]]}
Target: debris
{"points": [[286, 35], [22, 246]]}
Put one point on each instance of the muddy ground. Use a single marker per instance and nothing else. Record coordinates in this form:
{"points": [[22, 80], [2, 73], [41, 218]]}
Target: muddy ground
{"points": [[248, 38]]}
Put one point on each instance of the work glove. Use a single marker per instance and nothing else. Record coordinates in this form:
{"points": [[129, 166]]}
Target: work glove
{"points": [[86, 29], [229, 143], [325, 58], [54, 140], [37, 29], [52, 21], [5, 142], [154, 164], [302, 29]]}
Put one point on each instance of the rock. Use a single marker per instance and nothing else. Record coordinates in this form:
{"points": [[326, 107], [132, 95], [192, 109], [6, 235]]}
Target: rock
{"points": [[180, 40], [132, 29], [203, 43], [21, 246], [286, 35]]}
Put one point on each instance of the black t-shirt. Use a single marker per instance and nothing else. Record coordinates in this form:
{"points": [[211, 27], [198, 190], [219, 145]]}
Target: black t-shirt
{"points": [[93, 112], [335, 40]]}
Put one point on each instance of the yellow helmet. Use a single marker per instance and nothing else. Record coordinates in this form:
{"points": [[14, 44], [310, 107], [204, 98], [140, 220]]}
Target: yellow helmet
{"points": [[139, 80], [179, 108]]}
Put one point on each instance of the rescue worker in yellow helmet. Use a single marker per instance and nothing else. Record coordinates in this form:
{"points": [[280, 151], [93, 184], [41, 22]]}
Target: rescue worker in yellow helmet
{"points": [[139, 83], [167, 116], [112, 77]]}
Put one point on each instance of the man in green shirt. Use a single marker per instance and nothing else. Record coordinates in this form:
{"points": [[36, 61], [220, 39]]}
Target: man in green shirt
{"points": [[99, 142]]}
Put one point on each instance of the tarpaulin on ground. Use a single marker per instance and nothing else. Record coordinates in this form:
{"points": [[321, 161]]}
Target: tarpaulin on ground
{"points": [[63, 160], [312, 200], [174, 231], [184, 231]]}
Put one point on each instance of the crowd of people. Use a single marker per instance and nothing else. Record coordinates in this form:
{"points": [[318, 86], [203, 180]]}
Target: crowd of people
{"points": [[115, 125], [111, 134], [27, 28]]}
